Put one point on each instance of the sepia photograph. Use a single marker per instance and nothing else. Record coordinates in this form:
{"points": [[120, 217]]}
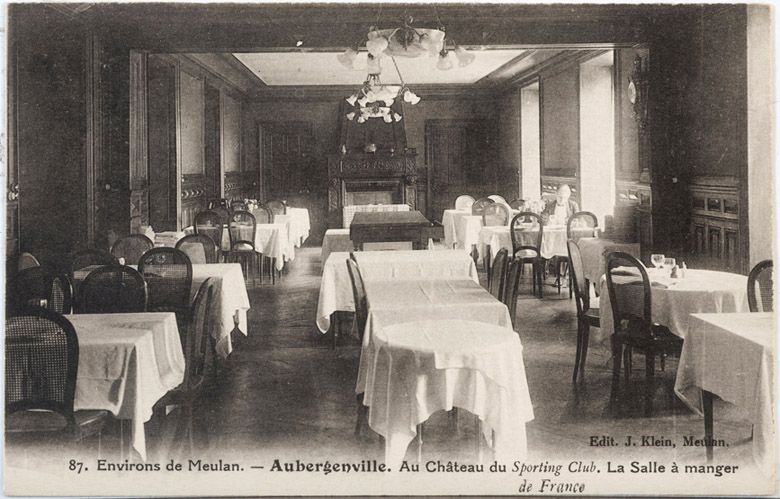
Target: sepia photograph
{"points": [[382, 248]]}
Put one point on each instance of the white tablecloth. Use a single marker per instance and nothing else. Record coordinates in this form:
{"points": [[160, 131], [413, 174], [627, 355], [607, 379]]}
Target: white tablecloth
{"points": [[272, 240], [673, 300], [127, 362], [349, 211], [553, 240], [336, 288], [419, 368], [393, 302], [732, 356], [335, 240], [461, 229], [594, 255], [229, 300], [300, 224]]}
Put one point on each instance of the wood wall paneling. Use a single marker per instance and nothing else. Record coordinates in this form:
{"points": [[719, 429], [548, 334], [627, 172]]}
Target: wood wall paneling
{"points": [[191, 114], [714, 233], [560, 122], [212, 146], [49, 130], [162, 144], [460, 156], [231, 134], [139, 154]]}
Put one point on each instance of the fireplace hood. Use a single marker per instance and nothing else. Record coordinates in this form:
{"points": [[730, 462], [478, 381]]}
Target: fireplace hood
{"points": [[359, 177]]}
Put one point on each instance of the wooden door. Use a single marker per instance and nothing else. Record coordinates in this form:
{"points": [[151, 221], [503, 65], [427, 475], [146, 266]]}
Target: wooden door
{"points": [[459, 157], [161, 120]]}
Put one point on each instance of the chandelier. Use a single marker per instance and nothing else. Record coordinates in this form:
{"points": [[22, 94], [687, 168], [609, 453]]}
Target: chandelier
{"points": [[374, 99]]}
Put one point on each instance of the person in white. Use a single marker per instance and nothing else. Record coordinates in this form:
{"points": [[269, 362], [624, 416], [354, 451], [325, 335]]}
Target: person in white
{"points": [[558, 212]]}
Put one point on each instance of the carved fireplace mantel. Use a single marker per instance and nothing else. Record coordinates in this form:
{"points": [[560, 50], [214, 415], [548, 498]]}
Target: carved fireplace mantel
{"points": [[393, 174]]}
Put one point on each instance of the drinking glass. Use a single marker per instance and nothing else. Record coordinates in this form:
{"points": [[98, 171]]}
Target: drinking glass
{"points": [[670, 262], [657, 260]]}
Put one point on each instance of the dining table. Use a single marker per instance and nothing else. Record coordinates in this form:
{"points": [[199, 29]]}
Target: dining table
{"points": [[271, 240], [335, 240], [230, 301], [300, 224], [594, 252], [461, 228], [493, 238], [336, 288], [127, 362], [410, 228], [732, 356], [432, 345], [673, 300]]}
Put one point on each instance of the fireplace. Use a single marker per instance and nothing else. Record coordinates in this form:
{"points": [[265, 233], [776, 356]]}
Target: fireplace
{"points": [[374, 191], [386, 176]]}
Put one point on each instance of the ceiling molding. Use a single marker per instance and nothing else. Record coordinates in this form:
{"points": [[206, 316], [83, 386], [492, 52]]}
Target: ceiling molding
{"points": [[339, 92], [71, 10], [219, 69]]}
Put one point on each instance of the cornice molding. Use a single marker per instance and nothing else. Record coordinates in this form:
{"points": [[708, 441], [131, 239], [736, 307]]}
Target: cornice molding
{"points": [[314, 93]]}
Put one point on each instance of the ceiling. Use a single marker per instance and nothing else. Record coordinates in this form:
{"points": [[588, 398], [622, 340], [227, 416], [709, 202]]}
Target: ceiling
{"points": [[322, 68]]}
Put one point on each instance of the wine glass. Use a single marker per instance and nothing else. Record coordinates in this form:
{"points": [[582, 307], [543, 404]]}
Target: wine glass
{"points": [[657, 260], [670, 262]]}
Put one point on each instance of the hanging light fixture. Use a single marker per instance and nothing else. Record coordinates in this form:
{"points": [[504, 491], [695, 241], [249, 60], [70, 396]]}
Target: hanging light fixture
{"points": [[406, 41], [374, 99]]}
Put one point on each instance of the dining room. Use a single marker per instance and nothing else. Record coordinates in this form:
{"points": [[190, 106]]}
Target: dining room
{"points": [[339, 242]]}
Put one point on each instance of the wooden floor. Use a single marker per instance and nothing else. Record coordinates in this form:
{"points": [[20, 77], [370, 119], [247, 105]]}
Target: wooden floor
{"points": [[284, 391]]}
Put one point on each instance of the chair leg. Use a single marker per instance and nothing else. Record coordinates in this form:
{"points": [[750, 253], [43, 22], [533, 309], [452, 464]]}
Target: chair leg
{"points": [[584, 355], [616, 357], [627, 363], [419, 442], [578, 355], [650, 380]]}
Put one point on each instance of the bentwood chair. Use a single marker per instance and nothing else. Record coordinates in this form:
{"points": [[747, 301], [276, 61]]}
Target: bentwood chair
{"points": [[497, 199], [131, 248], [242, 230], [495, 214], [25, 261], [498, 274], [199, 248], [168, 275], [61, 294], [587, 310], [361, 318], [223, 212], [41, 363], [580, 224], [529, 252], [479, 206], [263, 215], [276, 207], [464, 202], [517, 204], [186, 396], [630, 298], [90, 258], [210, 223], [112, 289], [761, 277], [511, 288]]}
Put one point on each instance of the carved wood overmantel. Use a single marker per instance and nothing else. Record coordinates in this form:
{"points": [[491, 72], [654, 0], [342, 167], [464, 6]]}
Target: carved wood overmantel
{"points": [[363, 169]]}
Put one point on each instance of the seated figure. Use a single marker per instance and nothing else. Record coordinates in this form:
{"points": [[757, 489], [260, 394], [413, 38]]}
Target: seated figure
{"points": [[558, 212]]}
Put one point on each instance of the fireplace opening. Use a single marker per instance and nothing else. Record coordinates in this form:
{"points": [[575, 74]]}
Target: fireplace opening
{"points": [[360, 192]]}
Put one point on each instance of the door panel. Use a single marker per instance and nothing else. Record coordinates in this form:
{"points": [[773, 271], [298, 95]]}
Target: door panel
{"points": [[459, 156], [292, 173]]}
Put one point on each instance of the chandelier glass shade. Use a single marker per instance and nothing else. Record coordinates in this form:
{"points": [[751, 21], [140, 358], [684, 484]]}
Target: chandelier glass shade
{"points": [[374, 99]]}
